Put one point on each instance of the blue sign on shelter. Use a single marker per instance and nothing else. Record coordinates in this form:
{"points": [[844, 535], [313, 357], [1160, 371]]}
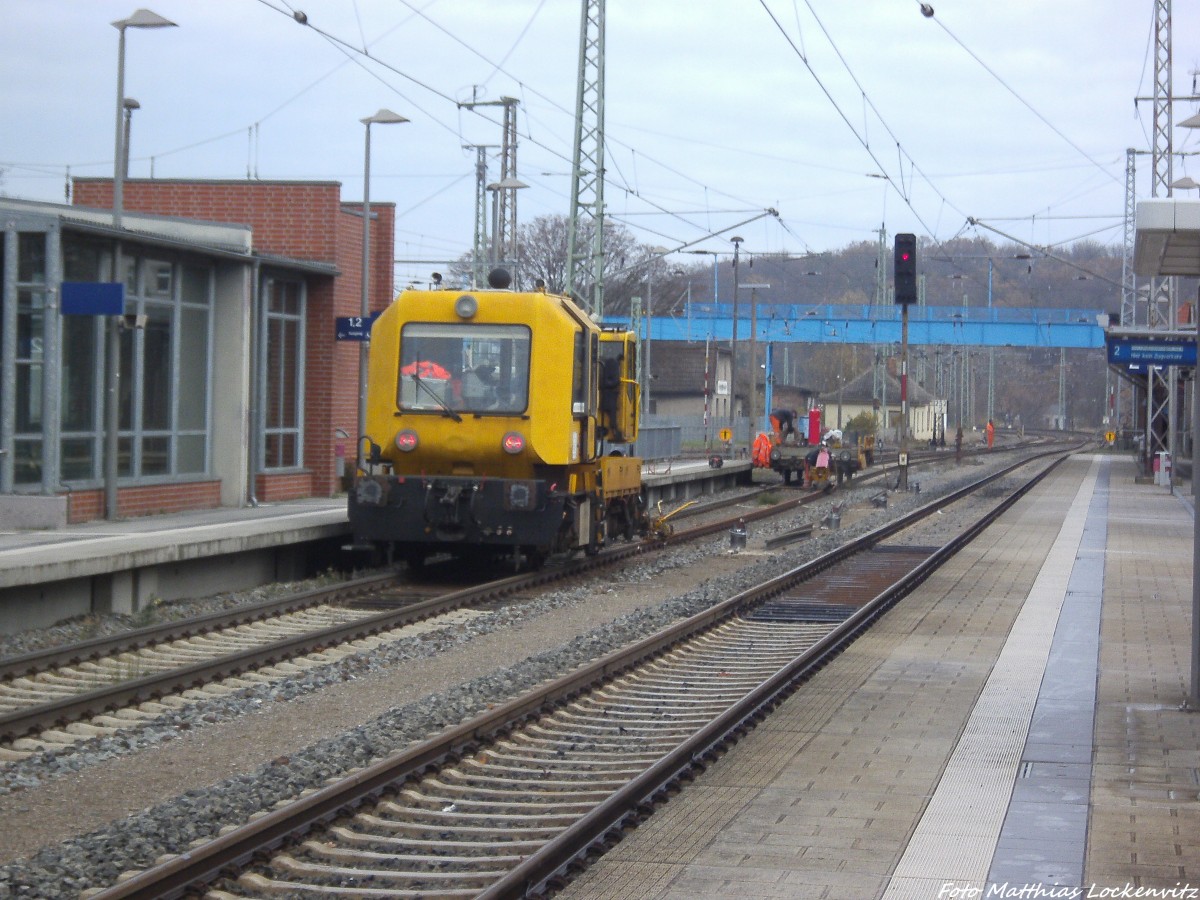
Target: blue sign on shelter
{"points": [[1147, 351], [91, 298]]}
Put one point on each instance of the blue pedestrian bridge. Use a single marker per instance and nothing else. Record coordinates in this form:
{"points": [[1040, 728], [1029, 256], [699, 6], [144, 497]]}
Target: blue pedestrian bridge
{"points": [[837, 324]]}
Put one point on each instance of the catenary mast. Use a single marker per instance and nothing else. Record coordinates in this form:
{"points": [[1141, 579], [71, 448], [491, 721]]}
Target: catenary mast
{"points": [[585, 239]]}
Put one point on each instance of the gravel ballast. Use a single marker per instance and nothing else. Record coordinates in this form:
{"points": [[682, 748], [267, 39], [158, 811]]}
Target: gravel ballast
{"points": [[78, 818]]}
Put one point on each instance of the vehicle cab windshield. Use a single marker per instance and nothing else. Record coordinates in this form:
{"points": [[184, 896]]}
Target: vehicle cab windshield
{"points": [[464, 367]]}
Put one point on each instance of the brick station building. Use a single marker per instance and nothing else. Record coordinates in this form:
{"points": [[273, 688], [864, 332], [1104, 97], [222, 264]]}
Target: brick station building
{"points": [[232, 389]]}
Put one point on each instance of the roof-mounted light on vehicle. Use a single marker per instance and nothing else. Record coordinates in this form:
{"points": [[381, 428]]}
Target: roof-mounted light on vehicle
{"points": [[406, 441], [513, 442], [466, 306]]}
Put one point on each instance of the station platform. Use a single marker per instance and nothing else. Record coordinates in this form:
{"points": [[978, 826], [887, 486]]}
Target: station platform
{"points": [[120, 566], [38, 556], [1015, 727]]}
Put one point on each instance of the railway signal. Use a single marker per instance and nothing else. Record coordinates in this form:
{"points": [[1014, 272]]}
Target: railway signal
{"points": [[906, 293], [906, 268]]}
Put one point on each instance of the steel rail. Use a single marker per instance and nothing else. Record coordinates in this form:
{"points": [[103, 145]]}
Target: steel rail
{"points": [[548, 866], [54, 657], [41, 660], [19, 723], [22, 722], [27, 721], [202, 864], [71, 654]]}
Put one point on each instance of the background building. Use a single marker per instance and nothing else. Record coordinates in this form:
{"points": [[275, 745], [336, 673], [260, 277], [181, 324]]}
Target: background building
{"points": [[232, 387], [681, 373], [926, 413]]}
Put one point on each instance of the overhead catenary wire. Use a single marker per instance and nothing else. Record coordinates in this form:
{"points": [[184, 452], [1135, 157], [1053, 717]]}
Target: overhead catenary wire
{"points": [[809, 194], [1029, 106], [858, 135], [1045, 251], [622, 185], [900, 183]]}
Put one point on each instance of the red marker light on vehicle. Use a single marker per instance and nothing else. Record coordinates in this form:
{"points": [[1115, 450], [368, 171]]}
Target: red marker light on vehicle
{"points": [[406, 441], [513, 442]]}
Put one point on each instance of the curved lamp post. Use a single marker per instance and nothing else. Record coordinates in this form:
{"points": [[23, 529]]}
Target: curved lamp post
{"points": [[383, 117], [143, 18]]}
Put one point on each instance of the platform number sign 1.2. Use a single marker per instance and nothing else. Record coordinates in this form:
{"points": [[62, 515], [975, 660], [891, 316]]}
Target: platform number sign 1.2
{"points": [[354, 328]]}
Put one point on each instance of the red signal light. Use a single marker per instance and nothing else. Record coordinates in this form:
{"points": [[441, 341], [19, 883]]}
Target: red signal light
{"points": [[513, 442], [906, 268]]}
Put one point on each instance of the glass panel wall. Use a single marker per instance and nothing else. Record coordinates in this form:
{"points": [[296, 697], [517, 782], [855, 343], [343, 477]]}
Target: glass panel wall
{"points": [[163, 395], [283, 407], [190, 401], [52, 379], [29, 362], [80, 379]]}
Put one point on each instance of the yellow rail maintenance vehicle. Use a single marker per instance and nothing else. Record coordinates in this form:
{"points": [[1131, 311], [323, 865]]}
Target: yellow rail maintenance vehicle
{"points": [[495, 426]]}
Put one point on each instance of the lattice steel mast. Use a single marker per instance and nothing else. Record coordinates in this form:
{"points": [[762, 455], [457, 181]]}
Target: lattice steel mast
{"points": [[585, 238], [479, 251], [504, 224], [1128, 279], [1160, 382]]}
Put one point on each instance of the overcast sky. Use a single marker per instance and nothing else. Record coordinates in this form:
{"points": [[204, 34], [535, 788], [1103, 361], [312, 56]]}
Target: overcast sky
{"points": [[1017, 113]]}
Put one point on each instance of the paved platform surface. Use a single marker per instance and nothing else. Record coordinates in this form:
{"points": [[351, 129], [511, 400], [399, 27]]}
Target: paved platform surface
{"points": [[34, 557], [1014, 728], [31, 557]]}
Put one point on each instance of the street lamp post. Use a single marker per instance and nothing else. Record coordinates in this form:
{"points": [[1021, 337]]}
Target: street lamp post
{"points": [[143, 18], [648, 315], [383, 117], [752, 414], [129, 105], [502, 244]]}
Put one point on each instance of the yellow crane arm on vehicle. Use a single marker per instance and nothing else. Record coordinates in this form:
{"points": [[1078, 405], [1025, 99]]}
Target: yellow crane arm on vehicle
{"points": [[660, 526]]}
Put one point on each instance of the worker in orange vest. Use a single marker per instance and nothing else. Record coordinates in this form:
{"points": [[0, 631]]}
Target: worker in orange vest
{"points": [[991, 434], [783, 423], [760, 455]]}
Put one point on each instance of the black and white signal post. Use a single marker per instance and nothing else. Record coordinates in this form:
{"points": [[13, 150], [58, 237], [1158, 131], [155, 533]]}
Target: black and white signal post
{"points": [[906, 294]]}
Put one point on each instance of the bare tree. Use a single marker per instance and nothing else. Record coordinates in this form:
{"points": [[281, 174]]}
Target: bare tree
{"points": [[542, 254]]}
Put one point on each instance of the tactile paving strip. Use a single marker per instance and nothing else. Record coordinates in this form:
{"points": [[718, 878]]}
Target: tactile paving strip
{"points": [[956, 837]]}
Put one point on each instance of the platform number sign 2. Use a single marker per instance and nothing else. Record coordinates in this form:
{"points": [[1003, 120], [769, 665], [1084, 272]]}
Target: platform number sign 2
{"points": [[906, 268]]}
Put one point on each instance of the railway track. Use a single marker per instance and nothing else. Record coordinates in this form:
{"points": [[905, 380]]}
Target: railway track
{"points": [[56, 698], [505, 804], [53, 699], [54, 708]]}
